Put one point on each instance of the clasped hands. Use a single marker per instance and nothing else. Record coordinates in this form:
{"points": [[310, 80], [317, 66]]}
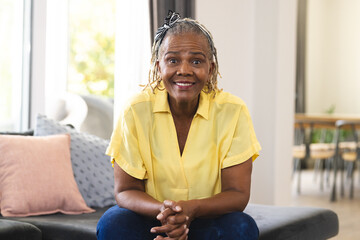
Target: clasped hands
{"points": [[175, 218]]}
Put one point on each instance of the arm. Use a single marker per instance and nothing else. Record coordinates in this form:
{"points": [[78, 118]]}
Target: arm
{"points": [[235, 192], [234, 196], [130, 193]]}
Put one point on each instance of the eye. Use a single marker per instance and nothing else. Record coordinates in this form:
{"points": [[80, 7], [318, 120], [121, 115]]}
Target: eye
{"points": [[172, 60], [196, 62]]}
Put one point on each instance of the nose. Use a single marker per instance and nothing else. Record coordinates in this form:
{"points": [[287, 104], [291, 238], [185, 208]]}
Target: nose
{"points": [[184, 69]]}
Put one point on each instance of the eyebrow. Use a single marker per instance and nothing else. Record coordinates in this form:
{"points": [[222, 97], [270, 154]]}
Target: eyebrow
{"points": [[198, 53], [171, 52], [193, 53]]}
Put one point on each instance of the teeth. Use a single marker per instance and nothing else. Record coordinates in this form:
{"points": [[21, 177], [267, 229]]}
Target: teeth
{"points": [[184, 84]]}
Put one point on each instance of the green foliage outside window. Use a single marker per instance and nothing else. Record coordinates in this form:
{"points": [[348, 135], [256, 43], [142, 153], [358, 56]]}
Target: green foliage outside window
{"points": [[327, 135], [92, 47]]}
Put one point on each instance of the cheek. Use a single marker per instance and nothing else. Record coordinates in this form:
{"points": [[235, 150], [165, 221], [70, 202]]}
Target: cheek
{"points": [[164, 74], [205, 75], [162, 69]]}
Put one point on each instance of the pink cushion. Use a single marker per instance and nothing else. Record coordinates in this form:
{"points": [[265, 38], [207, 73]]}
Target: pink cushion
{"points": [[36, 177]]}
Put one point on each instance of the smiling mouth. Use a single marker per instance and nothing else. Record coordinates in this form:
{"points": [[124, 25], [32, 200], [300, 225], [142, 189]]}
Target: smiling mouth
{"points": [[184, 84]]}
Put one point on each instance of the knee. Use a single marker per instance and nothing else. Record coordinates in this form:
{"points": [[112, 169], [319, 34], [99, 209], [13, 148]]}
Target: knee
{"points": [[114, 222], [241, 224]]}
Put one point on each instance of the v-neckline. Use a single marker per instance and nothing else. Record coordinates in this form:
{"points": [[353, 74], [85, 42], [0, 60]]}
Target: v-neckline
{"points": [[175, 134]]}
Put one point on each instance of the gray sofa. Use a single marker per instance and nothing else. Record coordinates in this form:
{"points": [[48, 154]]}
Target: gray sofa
{"points": [[274, 222]]}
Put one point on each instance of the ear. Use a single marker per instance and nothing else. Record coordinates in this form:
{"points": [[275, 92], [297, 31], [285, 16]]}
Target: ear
{"points": [[158, 66], [211, 68]]}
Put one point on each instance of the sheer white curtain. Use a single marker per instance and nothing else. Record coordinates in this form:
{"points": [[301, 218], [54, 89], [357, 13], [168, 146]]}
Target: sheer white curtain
{"points": [[49, 55], [132, 49], [56, 50]]}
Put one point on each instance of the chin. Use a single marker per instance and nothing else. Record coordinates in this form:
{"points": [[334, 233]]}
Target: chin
{"points": [[186, 99]]}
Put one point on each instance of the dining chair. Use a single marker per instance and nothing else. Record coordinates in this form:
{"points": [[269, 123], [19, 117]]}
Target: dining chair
{"points": [[305, 150], [322, 151], [347, 153], [299, 151]]}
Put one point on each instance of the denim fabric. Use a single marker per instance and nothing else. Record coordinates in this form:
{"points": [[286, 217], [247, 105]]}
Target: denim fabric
{"points": [[123, 224]]}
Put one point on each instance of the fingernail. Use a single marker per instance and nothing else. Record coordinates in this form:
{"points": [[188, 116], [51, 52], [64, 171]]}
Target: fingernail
{"points": [[159, 216], [187, 218], [184, 226], [187, 231], [178, 208], [152, 230]]}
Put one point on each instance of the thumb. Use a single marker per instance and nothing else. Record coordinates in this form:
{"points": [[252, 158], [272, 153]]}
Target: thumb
{"points": [[172, 205]]}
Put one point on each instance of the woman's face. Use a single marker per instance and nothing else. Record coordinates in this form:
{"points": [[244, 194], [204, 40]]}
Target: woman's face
{"points": [[184, 66]]}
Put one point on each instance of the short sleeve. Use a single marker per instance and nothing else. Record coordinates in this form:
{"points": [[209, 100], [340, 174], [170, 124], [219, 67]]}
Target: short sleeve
{"points": [[244, 144], [124, 146]]}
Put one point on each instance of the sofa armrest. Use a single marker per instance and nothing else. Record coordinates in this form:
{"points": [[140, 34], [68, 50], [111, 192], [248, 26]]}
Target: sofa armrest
{"points": [[278, 222], [25, 133], [15, 230]]}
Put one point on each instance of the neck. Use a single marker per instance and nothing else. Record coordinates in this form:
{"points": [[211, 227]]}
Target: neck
{"points": [[183, 109]]}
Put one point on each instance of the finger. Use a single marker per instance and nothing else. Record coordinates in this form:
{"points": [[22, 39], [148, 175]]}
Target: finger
{"points": [[185, 235], [173, 205], [165, 238], [159, 238], [163, 229], [165, 214], [182, 237], [178, 232], [177, 219]]}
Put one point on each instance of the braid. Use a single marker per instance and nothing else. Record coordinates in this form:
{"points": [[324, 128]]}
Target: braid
{"points": [[175, 25]]}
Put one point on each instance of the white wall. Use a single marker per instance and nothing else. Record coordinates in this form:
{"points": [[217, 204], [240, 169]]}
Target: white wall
{"points": [[231, 24], [333, 56], [37, 88], [256, 46], [132, 50]]}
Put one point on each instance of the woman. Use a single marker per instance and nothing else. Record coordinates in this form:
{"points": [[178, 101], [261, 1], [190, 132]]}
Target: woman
{"points": [[182, 150]]}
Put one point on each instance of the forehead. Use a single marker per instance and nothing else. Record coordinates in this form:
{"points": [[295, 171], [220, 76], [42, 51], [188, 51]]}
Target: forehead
{"points": [[185, 42]]}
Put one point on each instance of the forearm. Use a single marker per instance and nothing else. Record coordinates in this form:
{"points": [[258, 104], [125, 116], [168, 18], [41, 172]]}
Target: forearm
{"points": [[139, 202], [219, 204], [235, 192]]}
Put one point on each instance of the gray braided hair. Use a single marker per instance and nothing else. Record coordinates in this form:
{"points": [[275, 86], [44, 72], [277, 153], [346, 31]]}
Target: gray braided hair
{"points": [[175, 25]]}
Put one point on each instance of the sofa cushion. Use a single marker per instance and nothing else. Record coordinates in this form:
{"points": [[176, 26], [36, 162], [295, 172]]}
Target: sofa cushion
{"points": [[60, 226], [280, 223], [36, 177], [274, 222], [15, 230], [92, 170]]}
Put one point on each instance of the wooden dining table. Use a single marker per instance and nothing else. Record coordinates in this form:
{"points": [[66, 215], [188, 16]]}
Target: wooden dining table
{"points": [[325, 117], [318, 120]]}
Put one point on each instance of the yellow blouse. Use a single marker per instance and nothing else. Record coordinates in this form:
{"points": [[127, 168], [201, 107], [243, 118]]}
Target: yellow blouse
{"points": [[144, 144]]}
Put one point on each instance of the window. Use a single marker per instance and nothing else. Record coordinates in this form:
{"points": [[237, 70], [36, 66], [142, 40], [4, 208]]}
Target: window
{"points": [[73, 50], [13, 65], [91, 47]]}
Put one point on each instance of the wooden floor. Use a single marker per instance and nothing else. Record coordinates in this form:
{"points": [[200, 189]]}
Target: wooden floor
{"points": [[348, 210]]}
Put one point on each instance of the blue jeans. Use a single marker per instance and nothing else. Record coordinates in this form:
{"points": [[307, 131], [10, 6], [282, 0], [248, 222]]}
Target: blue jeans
{"points": [[122, 224]]}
